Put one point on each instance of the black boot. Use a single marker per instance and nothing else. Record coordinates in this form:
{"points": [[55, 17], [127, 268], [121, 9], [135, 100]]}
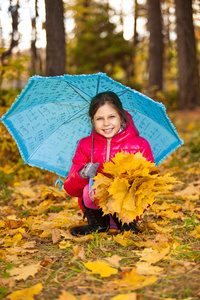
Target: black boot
{"points": [[96, 222], [125, 227]]}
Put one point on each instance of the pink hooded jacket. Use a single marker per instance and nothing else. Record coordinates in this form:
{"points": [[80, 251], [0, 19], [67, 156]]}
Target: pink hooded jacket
{"points": [[103, 150]]}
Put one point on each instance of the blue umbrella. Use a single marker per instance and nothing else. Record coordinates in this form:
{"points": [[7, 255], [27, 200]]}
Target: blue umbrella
{"points": [[51, 115]]}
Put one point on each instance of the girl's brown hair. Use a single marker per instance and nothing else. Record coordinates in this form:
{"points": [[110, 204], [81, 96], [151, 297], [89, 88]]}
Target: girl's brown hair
{"points": [[107, 98]]}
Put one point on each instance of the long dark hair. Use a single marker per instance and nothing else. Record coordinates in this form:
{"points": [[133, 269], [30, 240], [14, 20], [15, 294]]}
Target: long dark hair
{"points": [[107, 98]]}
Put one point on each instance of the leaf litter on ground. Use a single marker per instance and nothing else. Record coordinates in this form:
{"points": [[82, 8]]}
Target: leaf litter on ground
{"points": [[40, 259]]}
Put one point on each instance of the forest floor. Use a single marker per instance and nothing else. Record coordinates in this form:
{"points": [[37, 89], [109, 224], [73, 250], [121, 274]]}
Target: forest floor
{"points": [[39, 259]]}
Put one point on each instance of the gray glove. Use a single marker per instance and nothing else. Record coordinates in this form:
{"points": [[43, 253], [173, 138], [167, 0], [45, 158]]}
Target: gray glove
{"points": [[89, 170]]}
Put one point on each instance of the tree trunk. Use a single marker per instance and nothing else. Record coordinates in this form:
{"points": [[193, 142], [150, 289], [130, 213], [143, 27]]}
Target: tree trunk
{"points": [[189, 96], [135, 36], [155, 45], [55, 33], [14, 10]]}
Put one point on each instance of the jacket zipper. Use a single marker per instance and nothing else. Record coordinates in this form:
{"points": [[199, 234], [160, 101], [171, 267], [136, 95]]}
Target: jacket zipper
{"points": [[108, 150]]}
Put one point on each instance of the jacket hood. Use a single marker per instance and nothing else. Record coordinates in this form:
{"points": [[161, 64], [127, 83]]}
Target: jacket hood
{"points": [[129, 131]]}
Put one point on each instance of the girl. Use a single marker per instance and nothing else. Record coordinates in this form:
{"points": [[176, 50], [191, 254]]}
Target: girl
{"points": [[113, 131]]}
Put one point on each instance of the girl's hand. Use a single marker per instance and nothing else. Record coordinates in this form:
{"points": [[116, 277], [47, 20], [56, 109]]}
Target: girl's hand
{"points": [[89, 170]]}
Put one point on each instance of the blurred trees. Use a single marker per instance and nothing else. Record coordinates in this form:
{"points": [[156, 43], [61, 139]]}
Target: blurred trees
{"points": [[163, 58], [97, 45]]}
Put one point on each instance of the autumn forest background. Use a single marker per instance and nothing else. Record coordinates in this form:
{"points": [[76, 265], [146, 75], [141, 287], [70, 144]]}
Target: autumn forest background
{"points": [[39, 259]]}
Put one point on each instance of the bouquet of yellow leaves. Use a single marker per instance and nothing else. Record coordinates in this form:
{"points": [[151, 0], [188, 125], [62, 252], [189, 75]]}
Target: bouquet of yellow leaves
{"points": [[128, 185]]}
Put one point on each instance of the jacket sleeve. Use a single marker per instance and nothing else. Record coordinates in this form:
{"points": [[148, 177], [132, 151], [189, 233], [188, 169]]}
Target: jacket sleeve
{"points": [[146, 150], [74, 184]]}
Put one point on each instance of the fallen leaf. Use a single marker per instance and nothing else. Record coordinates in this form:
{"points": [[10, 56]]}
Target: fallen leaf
{"points": [[196, 232], [23, 272], [25, 235], [64, 244], [46, 262], [145, 268], [66, 296], [131, 280], [13, 224], [99, 267], [78, 252], [152, 256], [29, 245], [158, 228], [26, 294], [56, 237], [20, 251], [122, 238], [15, 239], [114, 260], [131, 296], [2, 254]]}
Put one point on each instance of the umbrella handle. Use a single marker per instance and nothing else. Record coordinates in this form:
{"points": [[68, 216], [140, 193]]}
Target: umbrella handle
{"points": [[59, 181]]}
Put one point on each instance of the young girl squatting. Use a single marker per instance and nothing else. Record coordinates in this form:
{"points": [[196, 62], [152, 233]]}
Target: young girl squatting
{"points": [[113, 131]]}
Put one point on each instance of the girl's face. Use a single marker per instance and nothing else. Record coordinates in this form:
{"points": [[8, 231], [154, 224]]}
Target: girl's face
{"points": [[107, 121]]}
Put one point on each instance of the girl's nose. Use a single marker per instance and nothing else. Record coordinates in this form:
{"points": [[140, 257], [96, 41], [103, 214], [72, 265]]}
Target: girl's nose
{"points": [[106, 122]]}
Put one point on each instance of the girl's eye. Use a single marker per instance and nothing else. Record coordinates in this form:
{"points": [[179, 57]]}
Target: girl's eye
{"points": [[98, 119], [112, 117]]}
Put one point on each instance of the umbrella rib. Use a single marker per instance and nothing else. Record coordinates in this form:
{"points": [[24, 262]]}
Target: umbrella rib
{"points": [[98, 82], [72, 86], [62, 104], [74, 118]]}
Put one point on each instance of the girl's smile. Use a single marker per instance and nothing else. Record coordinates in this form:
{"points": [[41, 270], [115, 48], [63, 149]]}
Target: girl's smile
{"points": [[107, 121]]}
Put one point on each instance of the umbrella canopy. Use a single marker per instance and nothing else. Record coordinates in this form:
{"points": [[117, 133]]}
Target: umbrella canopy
{"points": [[51, 115]]}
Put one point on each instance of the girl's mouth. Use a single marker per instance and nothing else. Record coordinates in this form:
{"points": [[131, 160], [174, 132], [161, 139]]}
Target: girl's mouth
{"points": [[108, 130]]}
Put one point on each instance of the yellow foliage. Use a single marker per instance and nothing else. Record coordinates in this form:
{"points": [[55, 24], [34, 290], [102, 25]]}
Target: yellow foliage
{"points": [[102, 268], [196, 232], [131, 280], [14, 240], [122, 239], [131, 296], [26, 294], [7, 169], [128, 185], [23, 272]]}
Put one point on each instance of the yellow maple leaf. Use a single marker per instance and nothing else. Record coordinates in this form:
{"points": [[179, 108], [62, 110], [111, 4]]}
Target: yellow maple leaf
{"points": [[159, 229], [128, 185], [100, 267], [2, 254], [23, 272], [152, 256], [64, 244], [145, 268], [122, 239], [196, 232], [14, 240], [131, 280], [44, 206], [65, 295], [130, 296], [26, 294]]}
